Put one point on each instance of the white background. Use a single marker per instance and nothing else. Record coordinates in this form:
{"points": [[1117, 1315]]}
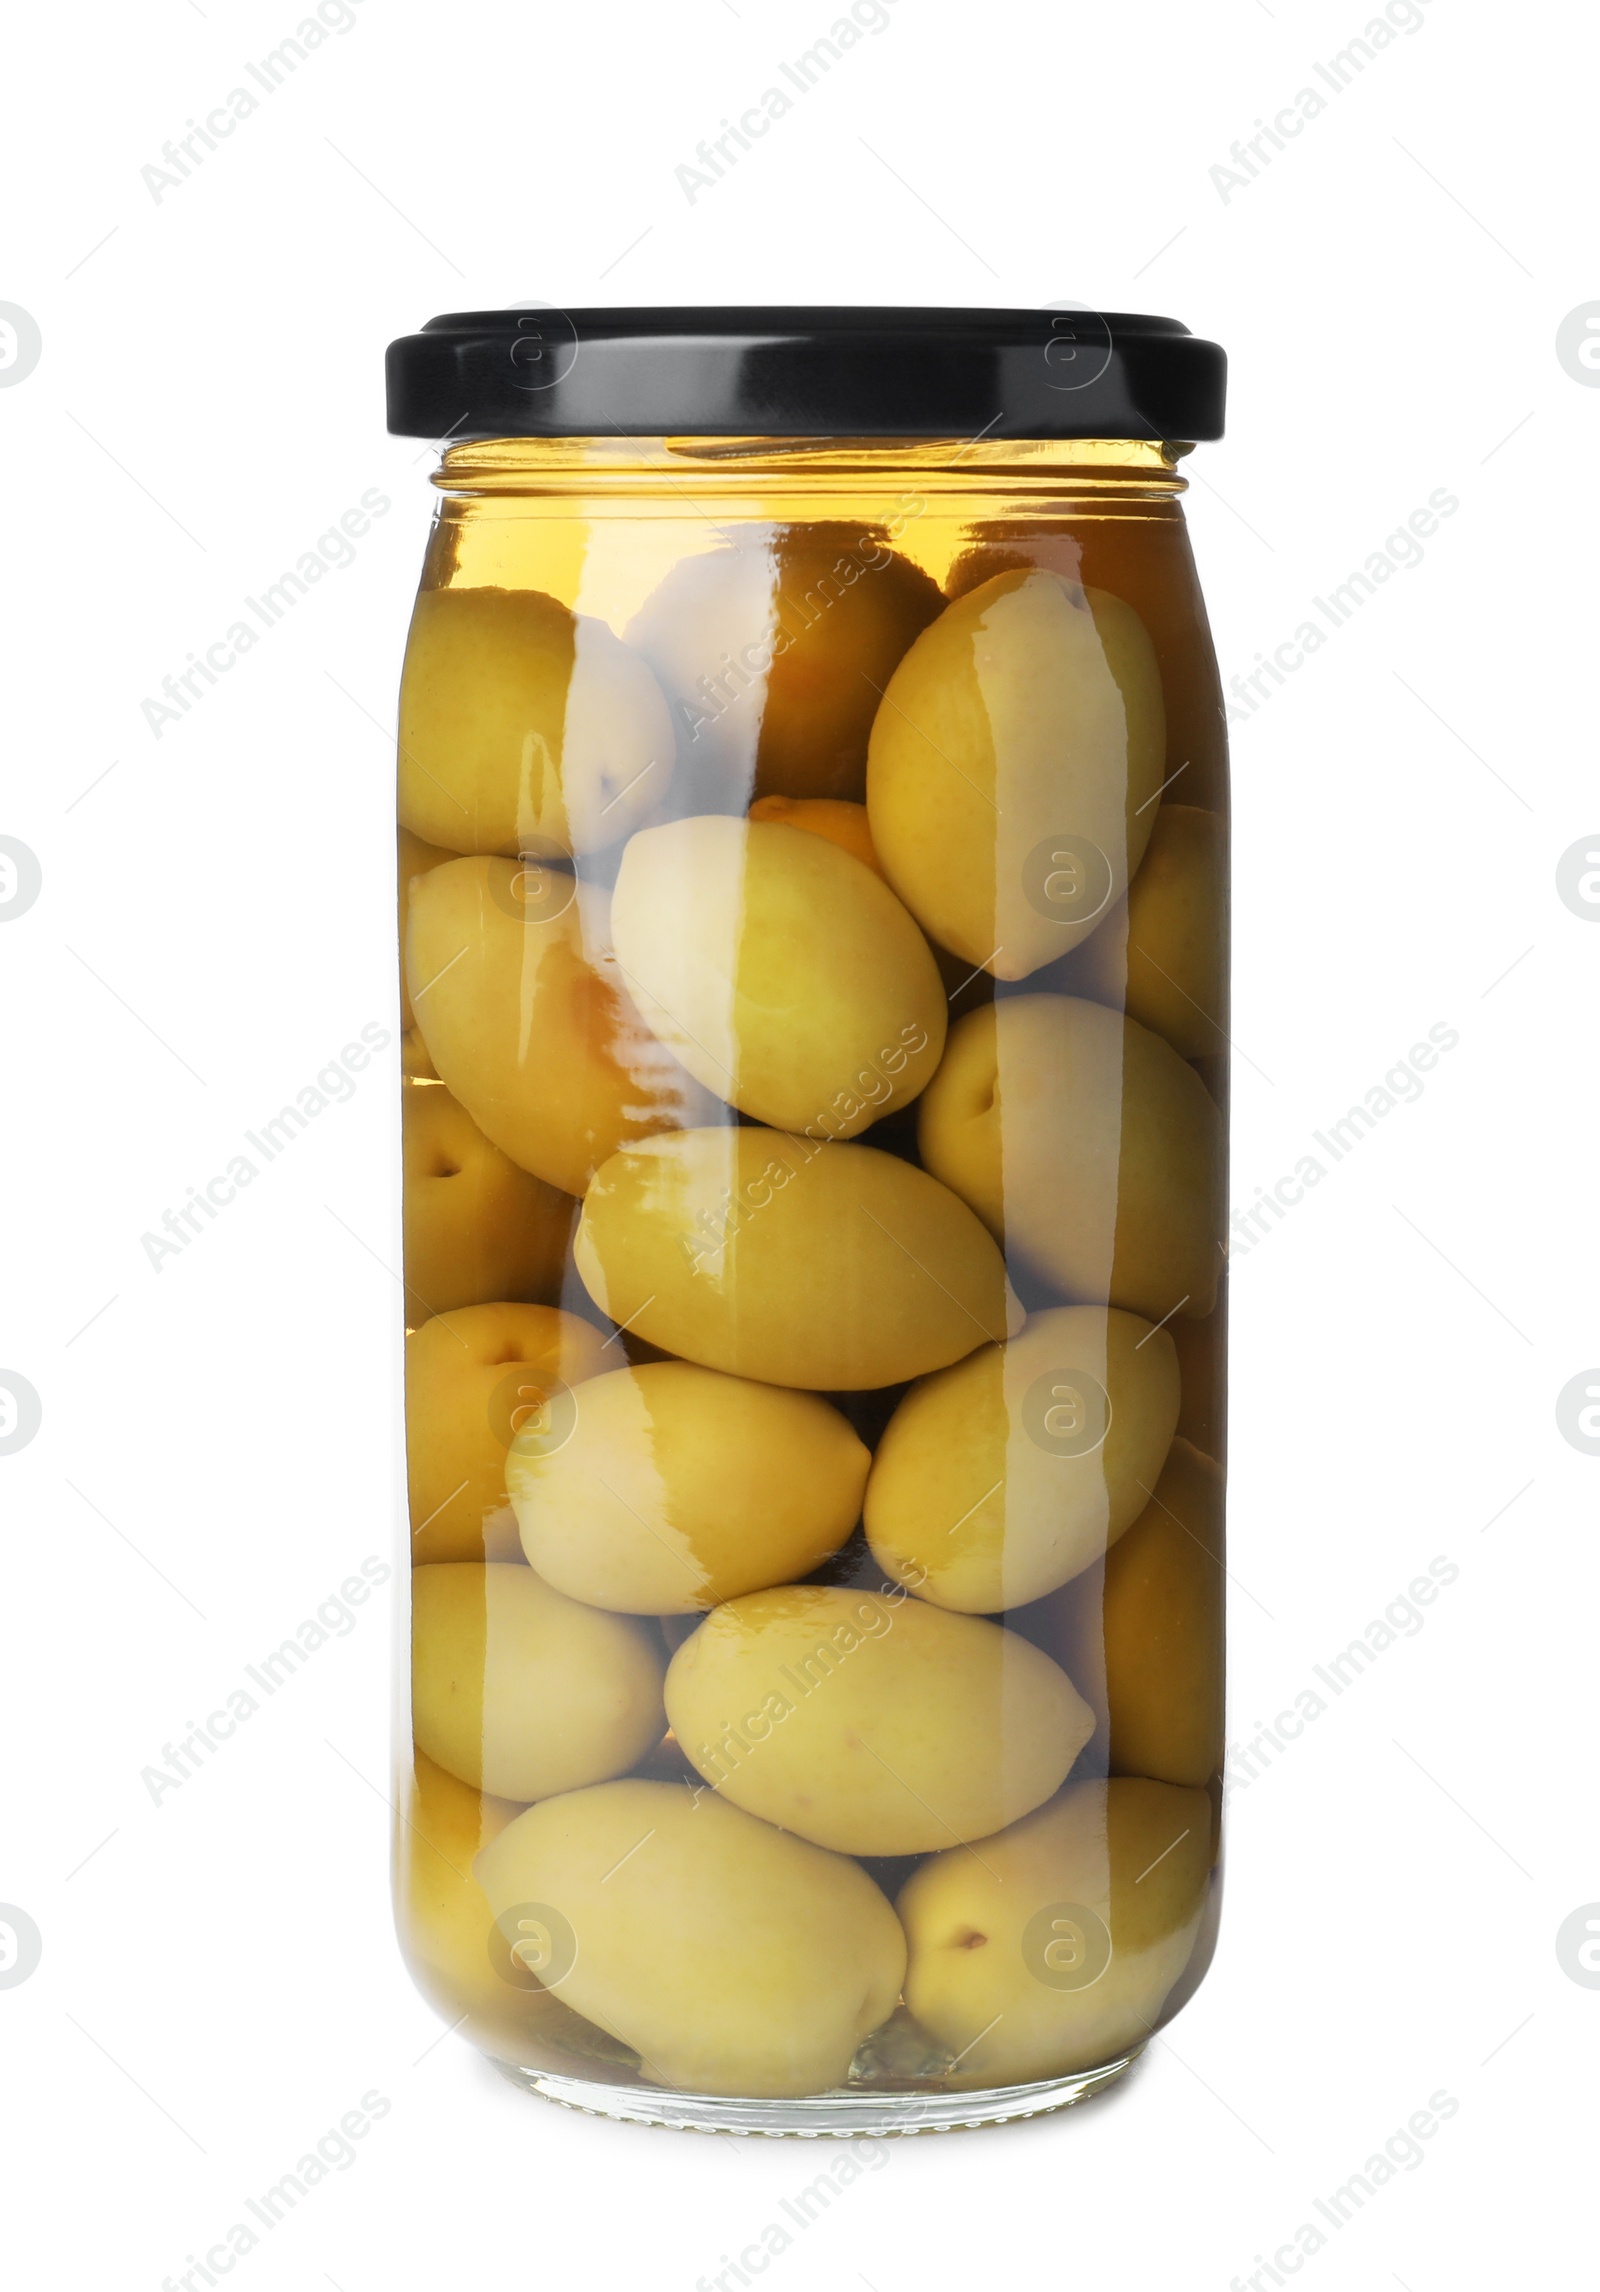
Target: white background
{"points": [[218, 1450]]}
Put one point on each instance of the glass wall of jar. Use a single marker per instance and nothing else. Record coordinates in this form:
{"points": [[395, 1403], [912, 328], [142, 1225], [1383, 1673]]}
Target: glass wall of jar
{"points": [[813, 917]]}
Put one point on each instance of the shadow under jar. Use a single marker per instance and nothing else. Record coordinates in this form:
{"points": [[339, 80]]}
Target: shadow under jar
{"points": [[813, 910]]}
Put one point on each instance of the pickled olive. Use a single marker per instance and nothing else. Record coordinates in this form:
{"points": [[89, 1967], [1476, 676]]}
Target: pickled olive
{"points": [[1002, 1477], [523, 724], [1086, 1144], [869, 1722], [842, 823], [1052, 1946], [847, 826], [1154, 1634], [474, 1380], [1145, 561], [528, 1020], [1013, 768], [1161, 955], [769, 1256], [731, 1957], [774, 652], [1203, 1360], [784, 974], [416, 858], [523, 1692], [679, 1487], [445, 1923], [476, 1227]]}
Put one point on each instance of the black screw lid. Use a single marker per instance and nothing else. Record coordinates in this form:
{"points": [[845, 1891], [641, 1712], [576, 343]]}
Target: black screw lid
{"points": [[536, 372]]}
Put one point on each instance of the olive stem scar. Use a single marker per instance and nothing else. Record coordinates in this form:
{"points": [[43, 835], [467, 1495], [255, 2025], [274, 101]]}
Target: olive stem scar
{"points": [[917, 1262], [1161, 1857], [1165, 785], [434, 1514], [1455, 1802], [978, 2040], [633, 783], [1165, 1318], [633, 1850], [971, 1508]]}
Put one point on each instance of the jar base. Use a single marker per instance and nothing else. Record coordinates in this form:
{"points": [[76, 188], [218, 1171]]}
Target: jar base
{"points": [[842, 2115]]}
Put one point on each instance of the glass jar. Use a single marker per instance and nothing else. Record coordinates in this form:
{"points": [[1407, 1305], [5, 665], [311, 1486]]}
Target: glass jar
{"points": [[812, 798]]}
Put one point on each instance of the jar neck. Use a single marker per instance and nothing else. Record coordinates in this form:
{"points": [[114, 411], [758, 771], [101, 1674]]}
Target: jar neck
{"points": [[718, 467]]}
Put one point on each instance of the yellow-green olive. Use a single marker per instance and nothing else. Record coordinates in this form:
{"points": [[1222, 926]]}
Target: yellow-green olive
{"points": [[1086, 1144], [764, 1254], [476, 1227], [474, 1380], [678, 1487], [1162, 954], [732, 1957], [1051, 1947], [780, 970], [774, 651], [1000, 1478], [522, 1692], [519, 999], [870, 1722], [1013, 766], [523, 724]]}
